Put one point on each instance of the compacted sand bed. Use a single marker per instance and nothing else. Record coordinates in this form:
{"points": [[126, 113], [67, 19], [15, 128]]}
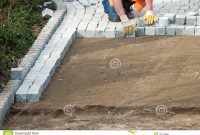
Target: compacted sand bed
{"points": [[142, 83]]}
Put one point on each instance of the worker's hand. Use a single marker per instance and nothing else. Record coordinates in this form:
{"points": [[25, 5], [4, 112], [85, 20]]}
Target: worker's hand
{"points": [[129, 25], [150, 17]]}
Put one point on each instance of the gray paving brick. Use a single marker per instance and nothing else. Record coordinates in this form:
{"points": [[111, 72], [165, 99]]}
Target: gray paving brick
{"points": [[171, 17], [163, 21], [151, 31], [198, 20], [100, 31], [36, 90], [180, 19], [197, 30], [18, 73], [160, 30], [81, 31], [12, 85], [140, 31], [22, 92], [180, 30], [110, 33], [189, 30], [8, 99], [2, 114], [171, 30], [191, 20], [110, 30], [4, 102], [119, 30]]}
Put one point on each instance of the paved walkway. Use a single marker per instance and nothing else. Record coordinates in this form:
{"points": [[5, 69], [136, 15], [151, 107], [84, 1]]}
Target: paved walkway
{"points": [[176, 6]]}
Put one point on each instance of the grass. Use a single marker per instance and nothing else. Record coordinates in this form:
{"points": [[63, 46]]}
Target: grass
{"points": [[20, 23]]}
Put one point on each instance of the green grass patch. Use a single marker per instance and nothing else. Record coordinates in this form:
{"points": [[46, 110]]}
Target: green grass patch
{"points": [[18, 21]]}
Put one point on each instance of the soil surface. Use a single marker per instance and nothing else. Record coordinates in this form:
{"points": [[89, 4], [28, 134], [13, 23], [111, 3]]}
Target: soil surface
{"points": [[142, 83]]}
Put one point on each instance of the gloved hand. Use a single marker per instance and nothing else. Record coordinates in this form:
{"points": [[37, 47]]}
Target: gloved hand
{"points": [[150, 17], [129, 25]]}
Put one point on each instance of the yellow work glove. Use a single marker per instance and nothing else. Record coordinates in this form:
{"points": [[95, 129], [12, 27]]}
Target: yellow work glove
{"points": [[129, 25], [150, 17]]}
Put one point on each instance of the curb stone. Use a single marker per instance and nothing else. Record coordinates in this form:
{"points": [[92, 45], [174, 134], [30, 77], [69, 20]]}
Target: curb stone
{"points": [[7, 98]]}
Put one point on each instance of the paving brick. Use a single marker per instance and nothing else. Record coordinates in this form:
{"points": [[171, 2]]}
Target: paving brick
{"points": [[180, 30], [160, 30], [2, 114], [80, 33], [171, 30], [180, 20], [163, 21], [110, 30], [3, 106], [191, 20], [197, 30], [110, 33], [8, 99], [100, 31], [189, 30], [198, 20], [4, 102], [140, 31], [119, 30], [35, 91], [12, 85], [151, 31], [171, 17], [22, 91], [18, 73]]}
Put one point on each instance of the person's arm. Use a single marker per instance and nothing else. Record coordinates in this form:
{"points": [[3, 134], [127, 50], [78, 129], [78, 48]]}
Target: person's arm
{"points": [[149, 4], [119, 7]]}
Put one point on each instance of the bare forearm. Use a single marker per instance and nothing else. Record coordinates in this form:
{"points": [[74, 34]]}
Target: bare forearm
{"points": [[149, 4], [119, 7]]}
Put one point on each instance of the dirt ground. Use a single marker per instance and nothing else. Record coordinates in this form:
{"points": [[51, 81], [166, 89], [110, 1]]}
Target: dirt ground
{"points": [[142, 83]]}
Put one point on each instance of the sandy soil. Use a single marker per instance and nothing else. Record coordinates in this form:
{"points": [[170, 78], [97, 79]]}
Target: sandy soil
{"points": [[142, 83]]}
